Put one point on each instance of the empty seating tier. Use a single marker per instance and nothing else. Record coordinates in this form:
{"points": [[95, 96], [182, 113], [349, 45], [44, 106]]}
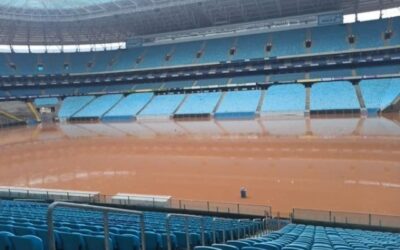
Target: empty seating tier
{"points": [[45, 102], [380, 93], [327, 39], [23, 226], [73, 104], [162, 106], [199, 104], [332, 96], [239, 104], [98, 107], [308, 237], [128, 107], [285, 99]]}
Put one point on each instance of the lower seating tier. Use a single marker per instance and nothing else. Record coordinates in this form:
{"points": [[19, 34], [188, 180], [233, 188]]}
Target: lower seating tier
{"points": [[77, 229]]}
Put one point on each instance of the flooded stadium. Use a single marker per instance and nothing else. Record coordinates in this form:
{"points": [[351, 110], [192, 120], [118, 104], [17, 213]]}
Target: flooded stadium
{"points": [[340, 164]]}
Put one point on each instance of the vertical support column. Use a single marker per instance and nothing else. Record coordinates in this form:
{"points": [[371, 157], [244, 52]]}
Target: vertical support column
{"points": [[106, 231], [187, 233], [308, 101]]}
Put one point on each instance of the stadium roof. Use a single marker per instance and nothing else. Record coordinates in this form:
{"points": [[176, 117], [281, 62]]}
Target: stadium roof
{"points": [[105, 21]]}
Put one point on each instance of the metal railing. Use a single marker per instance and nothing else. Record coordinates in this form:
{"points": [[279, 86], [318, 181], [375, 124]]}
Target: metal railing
{"points": [[105, 210], [223, 231], [96, 198], [187, 217], [346, 218]]}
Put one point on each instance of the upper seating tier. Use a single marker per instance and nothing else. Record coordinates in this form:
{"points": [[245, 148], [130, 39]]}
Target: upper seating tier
{"points": [[327, 39]]}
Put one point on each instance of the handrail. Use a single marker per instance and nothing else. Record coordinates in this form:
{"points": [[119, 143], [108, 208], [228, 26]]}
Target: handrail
{"points": [[105, 210], [223, 232], [168, 227], [258, 227]]}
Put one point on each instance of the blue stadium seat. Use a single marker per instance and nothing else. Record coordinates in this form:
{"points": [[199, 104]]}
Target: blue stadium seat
{"points": [[174, 244], [153, 241], [96, 242], [5, 243], [6, 228], [251, 248], [72, 241], [27, 242], [19, 230], [225, 247], [43, 235], [127, 242], [238, 244], [205, 248]]}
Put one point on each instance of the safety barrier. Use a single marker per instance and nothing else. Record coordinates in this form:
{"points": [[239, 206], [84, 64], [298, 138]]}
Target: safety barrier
{"points": [[105, 210]]}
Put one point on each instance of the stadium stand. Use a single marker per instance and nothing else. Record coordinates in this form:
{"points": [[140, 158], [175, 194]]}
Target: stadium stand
{"points": [[154, 56], [369, 34], [252, 46], [307, 237], [98, 107], [126, 59], [80, 229], [288, 43], [77, 229], [378, 94], [72, 105], [45, 102], [184, 53], [330, 96], [395, 39], [327, 39], [216, 50], [128, 107], [285, 99], [199, 105], [238, 104], [162, 106]]}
